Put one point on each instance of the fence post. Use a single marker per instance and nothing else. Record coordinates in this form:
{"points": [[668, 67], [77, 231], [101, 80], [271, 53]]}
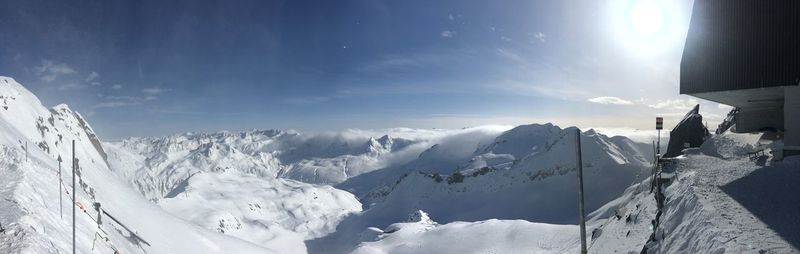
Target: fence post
{"points": [[60, 198], [74, 166], [580, 190]]}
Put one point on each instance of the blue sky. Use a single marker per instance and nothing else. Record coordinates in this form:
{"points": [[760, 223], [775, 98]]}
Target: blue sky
{"points": [[139, 68]]}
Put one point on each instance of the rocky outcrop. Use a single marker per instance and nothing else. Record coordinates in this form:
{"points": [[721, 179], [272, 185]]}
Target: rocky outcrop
{"points": [[690, 132], [729, 122]]}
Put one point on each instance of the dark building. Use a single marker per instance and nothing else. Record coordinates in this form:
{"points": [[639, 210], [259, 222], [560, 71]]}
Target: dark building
{"points": [[746, 53]]}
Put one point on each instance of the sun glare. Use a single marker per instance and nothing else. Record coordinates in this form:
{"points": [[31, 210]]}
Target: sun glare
{"points": [[646, 18], [647, 27]]}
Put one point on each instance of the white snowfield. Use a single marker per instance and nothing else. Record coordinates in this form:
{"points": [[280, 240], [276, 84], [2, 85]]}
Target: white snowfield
{"points": [[29, 208], [156, 165], [489, 189], [526, 173], [722, 202], [420, 234], [259, 209]]}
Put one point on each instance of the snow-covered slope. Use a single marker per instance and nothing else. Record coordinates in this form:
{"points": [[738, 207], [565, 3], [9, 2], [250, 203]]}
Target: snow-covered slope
{"points": [[420, 234], [258, 209], [526, 173], [470, 175], [157, 165], [716, 201], [29, 208], [722, 202], [220, 178], [493, 190], [230, 182]]}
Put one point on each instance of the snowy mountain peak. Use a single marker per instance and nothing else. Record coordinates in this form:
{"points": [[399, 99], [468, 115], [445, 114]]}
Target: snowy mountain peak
{"points": [[385, 144], [523, 140], [29, 186], [420, 216]]}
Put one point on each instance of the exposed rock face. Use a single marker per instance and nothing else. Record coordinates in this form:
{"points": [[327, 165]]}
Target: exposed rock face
{"points": [[689, 131], [729, 122]]}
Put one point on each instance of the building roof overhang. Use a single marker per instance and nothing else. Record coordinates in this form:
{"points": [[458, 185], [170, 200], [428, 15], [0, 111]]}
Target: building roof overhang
{"points": [[741, 44]]}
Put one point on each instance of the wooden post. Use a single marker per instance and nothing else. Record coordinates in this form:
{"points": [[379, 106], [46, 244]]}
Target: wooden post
{"points": [[74, 200], [580, 190]]}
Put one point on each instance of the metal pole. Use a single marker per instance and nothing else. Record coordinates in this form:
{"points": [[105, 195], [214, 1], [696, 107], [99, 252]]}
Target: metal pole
{"points": [[658, 151], [580, 190], [74, 166], [653, 169], [60, 199]]}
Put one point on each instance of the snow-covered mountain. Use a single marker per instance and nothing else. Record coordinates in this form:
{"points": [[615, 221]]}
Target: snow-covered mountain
{"points": [[525, 173], [157, 166], [535, 160], [29, 184], [486, 189], [258, 209], [420, 234]]}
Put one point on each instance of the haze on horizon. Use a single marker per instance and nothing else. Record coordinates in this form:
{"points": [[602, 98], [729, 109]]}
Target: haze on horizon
{"points": [[144, 68]]}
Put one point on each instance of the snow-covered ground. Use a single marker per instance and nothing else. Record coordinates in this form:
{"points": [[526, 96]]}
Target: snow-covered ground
{"points": [[522, 174], [723, 202], [476, 190], [156, 165], [29, 208], [260, 209], [526, 173], [420, 234], [718, 201]]}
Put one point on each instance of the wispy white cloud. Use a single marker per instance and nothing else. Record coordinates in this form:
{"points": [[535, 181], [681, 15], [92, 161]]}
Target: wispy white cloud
{"points": [[677, 104], [49, 71], [155, 90], [116, 101], [417, 60], [115, 104], [448, 34], [540, 36], [70, 86], [610, 100], [511, 55], [121, 97], [116, 86], [92, 76], [306, 100], [450, 17]]}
